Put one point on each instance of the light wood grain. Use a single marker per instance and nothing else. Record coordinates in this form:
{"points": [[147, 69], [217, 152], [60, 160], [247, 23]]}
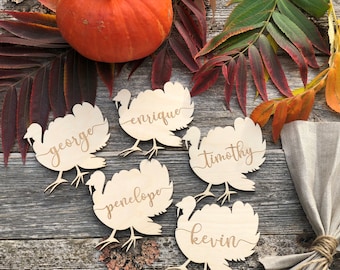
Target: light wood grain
{"points": [[60, 231]]}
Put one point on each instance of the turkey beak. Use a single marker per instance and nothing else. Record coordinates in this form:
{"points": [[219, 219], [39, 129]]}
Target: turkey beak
{"points": [[186, 144], [28, 139], [179, 208], [116, 103], [90, 187]]}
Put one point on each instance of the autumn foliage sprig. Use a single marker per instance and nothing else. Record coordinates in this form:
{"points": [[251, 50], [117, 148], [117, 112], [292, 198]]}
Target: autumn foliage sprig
{"points": [[299, 106]]}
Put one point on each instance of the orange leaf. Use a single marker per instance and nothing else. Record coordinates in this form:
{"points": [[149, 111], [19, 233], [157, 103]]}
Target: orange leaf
{"points": [[262, 112], [307, 104], [333, 89], [279, 119], [294, 108]]}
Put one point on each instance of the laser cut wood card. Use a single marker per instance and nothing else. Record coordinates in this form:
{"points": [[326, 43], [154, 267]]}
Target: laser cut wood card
{"points": [[225, 155], [131, 198], [215, 234], [70, 142], [155, 115]]}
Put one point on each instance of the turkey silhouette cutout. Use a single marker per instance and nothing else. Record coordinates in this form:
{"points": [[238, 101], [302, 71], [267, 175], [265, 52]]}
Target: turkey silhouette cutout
{"points": [[155, 115], [225, 155], [215, 234], [70, 142], [130, 199]]}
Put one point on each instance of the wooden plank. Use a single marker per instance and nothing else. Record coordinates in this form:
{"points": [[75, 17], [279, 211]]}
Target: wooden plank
{"points": [[59, 231]]}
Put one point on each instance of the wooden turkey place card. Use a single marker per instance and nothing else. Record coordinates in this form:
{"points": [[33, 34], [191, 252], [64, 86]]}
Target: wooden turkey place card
{"points": [[70, 142], [131, 198], [225, 155], [155, 115], [216, 234]]}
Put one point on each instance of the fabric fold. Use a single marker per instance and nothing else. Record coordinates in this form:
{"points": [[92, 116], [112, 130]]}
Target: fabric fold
{"points": [[312, 151]]}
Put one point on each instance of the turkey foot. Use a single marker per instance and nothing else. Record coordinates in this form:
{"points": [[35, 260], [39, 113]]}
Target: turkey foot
{"points": [[132, 240], [226, 194], [181, 267], [79, 177], [56, 183], [130, 150], [206, 193], [154, 149], [109, 240]]}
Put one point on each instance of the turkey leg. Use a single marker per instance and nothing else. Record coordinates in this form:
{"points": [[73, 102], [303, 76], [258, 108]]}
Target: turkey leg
{"points": [[56, 183]]}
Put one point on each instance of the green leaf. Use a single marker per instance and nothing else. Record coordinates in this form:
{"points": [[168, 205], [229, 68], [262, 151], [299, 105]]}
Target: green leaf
{"points": [[238, 43], [249, 13], [301, 21], [297, 37], [224, 36], [316, 8]]}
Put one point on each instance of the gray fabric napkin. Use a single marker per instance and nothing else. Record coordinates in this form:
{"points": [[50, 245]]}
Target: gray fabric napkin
{"points": [[312, 151]]}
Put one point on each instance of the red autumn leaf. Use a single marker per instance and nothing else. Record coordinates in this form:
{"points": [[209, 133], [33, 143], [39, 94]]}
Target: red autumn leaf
{"points": [[279, 119], [262, 113], [187, 38], [8, 127], [30, 31], [34, 17], [135, 64], [273, 66], [229, 75], [22, 116], [40, 106], [205, 81], [241, 82], [200, 16], [106, 72], [87, 77], [11, 74], [293, 52], [258, 71], [72, 89], [56, 87], [213, 62], [8, 62], [25, 52], [190, 25], [161, 69], [181, 50], [10, 39]]}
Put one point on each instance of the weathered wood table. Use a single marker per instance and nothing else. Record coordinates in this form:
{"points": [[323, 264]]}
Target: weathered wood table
{"points": [[60, 231]]}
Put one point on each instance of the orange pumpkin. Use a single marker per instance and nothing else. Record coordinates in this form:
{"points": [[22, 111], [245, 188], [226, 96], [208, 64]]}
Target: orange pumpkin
{"points": [[114, 30]]}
